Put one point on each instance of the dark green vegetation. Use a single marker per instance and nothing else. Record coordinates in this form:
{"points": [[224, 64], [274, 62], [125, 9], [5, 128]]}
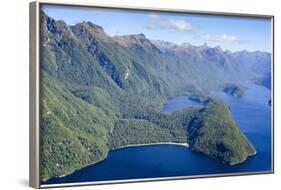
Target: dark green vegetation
{"points": [[100, 92], [72, 131], [234, 90], [214, 132], [152, 127]]}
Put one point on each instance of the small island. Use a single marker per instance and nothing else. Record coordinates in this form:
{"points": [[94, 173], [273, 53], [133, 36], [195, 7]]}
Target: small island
{"points": [[234, 90], [197, 98]]}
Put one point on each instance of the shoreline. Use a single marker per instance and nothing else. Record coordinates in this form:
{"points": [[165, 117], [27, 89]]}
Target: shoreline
{"points": [[130, 145], [149, 144], [60, 176], [249, 155]]}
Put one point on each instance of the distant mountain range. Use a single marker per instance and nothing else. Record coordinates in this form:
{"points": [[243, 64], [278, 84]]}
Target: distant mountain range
{"points": [[247, 65], [93, 84]]}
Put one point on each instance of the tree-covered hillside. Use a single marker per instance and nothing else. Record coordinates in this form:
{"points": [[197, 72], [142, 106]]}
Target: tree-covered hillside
{"points": [[214, 132]]}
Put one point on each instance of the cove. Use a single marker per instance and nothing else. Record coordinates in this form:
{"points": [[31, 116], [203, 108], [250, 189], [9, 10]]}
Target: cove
{"points": [[251, 112]]}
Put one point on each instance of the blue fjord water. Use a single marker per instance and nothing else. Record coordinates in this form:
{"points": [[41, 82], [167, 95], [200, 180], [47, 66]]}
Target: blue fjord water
{"points": [[252, 114]]}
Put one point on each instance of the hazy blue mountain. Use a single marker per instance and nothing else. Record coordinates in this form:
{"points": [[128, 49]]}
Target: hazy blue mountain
{"points": [[255, 63], [242, 65]]}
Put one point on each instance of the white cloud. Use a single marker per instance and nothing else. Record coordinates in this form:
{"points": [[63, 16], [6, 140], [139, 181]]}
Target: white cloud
{"points": [[156, 22], [221, 38], [181, 25]]}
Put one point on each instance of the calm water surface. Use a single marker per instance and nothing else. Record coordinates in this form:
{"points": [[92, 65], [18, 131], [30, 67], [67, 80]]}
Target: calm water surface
{"points": [[252, 114]]}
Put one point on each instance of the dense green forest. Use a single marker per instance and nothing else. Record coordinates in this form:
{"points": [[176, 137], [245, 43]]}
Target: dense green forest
{"points": [[152, 127], [99, 93], [214, 133]]}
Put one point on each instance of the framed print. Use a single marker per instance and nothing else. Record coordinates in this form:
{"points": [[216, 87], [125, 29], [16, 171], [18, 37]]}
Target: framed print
{"points": [[127, 94]]}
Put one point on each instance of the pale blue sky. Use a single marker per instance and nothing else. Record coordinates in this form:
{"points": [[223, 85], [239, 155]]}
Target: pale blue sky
{"points": [[233, 33]]}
